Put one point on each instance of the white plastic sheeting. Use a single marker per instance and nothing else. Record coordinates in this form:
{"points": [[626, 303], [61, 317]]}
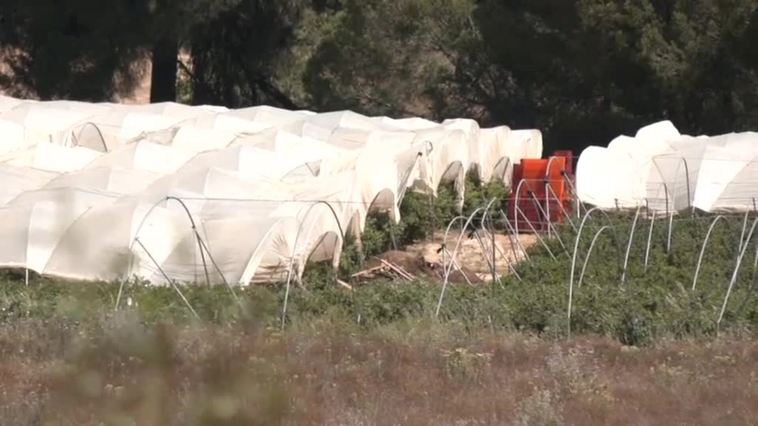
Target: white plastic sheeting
{"points": [[180, 193], [663, 170]]}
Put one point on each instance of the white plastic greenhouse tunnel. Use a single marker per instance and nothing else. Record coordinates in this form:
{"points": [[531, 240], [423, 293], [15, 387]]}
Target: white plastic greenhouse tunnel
{"points": [[172, 193], [665, 171]]}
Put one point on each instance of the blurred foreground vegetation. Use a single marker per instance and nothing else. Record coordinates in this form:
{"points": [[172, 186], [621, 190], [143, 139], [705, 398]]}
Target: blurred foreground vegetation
{"points": [[377, 355]]}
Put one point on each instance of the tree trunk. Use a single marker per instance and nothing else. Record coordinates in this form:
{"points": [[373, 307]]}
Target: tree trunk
{"points": [[163, 79]]}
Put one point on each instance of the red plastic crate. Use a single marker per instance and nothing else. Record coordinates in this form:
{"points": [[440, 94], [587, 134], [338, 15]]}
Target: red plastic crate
{"points": [[542, 191]]}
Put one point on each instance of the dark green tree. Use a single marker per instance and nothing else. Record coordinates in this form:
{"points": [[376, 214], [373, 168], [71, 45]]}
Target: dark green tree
{"points": [[70, 49], [234, 54], [583, 71], [587, 70], [86, 49], [395, 58]]}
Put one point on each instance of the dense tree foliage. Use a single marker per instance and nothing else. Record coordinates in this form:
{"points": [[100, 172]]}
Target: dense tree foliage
{"points": [[69, 49], [232, 54], [580, 70]]}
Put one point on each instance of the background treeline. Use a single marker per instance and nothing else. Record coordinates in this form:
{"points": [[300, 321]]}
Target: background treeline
{"points": [[583, 71]]}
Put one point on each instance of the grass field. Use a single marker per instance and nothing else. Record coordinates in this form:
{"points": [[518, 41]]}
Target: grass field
{"points": [[375, 355], [329, 372]]}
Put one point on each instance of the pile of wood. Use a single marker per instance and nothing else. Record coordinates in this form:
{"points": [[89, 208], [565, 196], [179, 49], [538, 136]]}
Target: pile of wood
{"points": [[385, 269], [407, 267]]}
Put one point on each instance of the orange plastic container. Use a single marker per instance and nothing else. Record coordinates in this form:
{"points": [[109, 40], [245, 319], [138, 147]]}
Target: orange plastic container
{"points": [[539, 189]]}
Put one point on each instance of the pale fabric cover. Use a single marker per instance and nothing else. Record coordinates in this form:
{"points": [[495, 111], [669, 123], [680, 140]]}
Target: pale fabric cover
{"points": [[495, 155], [107, 192], [52, 157], [45, 123], [7, 102], [148, 156], [17, 180], [607, 179], [266, 115], [114, 180], [199, 139], [11, 136], [230, 123], [33, 224], [137, 123], [524, 144], [665, 171]]}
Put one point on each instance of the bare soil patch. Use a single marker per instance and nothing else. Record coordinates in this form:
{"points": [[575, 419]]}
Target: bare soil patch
{"points": [[426, 259]]}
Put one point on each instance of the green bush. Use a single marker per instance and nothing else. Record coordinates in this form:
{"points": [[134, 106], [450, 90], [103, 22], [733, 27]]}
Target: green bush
{"points": [[422, 215]]}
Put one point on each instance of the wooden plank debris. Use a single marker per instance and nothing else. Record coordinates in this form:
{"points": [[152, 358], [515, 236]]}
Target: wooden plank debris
{"points": [[398, 270], [369, 273], [385, 268], [344, 284]]}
